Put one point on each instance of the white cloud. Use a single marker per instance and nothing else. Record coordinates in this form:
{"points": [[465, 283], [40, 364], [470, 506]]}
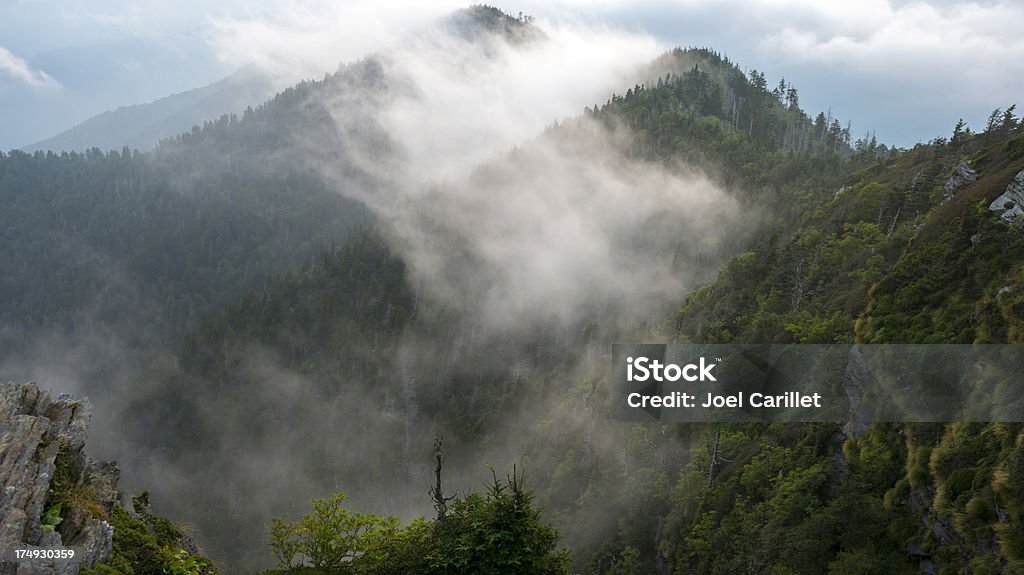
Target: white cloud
{"points": [[18, 69], [909, 68], [971, 52], [906, 68], [465, 107], [542, 236], [306, 39], [931, 40]]}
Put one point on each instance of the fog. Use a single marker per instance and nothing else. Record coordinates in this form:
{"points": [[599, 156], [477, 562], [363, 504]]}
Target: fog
{"points": [[505, 214], [527, 226]]}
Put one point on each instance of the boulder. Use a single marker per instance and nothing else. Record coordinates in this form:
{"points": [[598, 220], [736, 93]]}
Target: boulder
{"points": [[1011, 203], [962, 174]]}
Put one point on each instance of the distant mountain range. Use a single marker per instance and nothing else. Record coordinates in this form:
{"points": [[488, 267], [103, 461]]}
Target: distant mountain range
{"points": [[142, 126]]}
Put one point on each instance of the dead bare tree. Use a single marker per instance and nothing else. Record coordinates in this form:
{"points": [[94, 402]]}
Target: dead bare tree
{"points": [[437, 492]]}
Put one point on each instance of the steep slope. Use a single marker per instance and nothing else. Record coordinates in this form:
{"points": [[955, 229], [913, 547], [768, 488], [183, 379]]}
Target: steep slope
{"points": [[922, 247], [353, 348], [145, 244], [339, 374], [908, 249], [138, 251], [799, 498]]}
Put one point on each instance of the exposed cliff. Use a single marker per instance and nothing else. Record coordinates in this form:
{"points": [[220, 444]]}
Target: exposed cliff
{"points": [[41, 453], [53, 495]]}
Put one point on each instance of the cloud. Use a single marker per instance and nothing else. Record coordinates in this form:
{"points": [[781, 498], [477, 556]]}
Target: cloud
{"points": [[547, 240], [572, 228], [18, 69], [976, 43], [906, 68], [464, 106], [967, 50], [302, 40], [565, 224]]}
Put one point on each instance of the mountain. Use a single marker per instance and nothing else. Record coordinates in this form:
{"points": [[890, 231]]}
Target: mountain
{"points": [[921, 247], [142, 126], [918, 248], [354, 347], [91, 78], [841, 225], [146, 244], [288, 344]]}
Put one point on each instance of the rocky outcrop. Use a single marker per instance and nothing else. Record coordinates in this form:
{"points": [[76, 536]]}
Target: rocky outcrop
{"points": [[962, 174], [1011, 203], [42, 464]]}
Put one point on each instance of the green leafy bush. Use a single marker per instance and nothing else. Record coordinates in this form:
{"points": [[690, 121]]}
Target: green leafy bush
{"points": [[499, 532]]}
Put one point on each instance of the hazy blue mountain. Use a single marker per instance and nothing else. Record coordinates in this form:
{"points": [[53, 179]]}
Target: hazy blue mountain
{"points": [[143, 125], [89, 79]]}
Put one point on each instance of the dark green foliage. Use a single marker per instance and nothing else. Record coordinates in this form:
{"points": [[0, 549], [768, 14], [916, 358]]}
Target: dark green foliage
{"points": [[786, 507], [361, 286], [1015, 148], [67, 493], [860, 244], [1015, 472], [700, 110], [856, 244], [481, 18], [893, 257], [108, 233], [67, 472], [887, 256], [500, 532], [703, 110]]}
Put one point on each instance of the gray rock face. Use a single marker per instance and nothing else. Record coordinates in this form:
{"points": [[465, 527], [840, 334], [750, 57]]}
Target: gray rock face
{"points": [[1011, 203], [855, 378], [38, 435], [963, 174]]}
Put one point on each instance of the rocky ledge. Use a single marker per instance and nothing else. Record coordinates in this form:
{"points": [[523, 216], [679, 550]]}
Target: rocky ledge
{"points": [[1011, 203], [51, 494]]}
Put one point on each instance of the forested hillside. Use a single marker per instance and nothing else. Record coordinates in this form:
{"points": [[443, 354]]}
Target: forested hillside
{"points": [[311, 312], [113, 237], [353, 347], [150, 243], [910, 250], [921, 247]]}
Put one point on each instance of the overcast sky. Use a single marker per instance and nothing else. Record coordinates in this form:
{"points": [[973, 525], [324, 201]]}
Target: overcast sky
{"points": [[907, 70]]}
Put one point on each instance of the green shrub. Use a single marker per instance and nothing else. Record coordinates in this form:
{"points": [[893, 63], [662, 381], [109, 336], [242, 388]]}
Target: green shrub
{"points": [[498, 533]]}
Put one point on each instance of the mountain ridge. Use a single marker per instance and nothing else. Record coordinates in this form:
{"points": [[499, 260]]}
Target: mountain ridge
{"points": [[142, 126], [338, 369]]}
